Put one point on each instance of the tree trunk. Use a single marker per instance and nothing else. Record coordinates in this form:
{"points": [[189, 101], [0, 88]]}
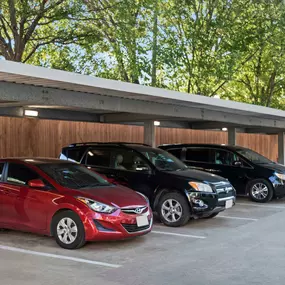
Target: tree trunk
{"points": [[154, 45], [271, 88]]}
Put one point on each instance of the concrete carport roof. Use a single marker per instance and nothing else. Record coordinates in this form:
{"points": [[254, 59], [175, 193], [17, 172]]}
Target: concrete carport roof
{"points": [[69, 96]]}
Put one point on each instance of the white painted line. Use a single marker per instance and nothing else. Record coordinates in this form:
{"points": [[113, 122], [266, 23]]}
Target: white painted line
{"points": [[175, 234], [26, 251], [237, 218], [261, 206]]}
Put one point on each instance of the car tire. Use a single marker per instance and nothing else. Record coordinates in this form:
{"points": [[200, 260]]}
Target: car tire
{"points": [[173, 209], [211, 216], [260, 190], [68, 230]]}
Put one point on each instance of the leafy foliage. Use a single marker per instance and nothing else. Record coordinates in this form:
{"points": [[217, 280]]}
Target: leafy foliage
{"points": [[27, 25]]}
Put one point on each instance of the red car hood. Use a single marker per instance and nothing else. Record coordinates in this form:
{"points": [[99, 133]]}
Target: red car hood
{"points": [[118, 196]]}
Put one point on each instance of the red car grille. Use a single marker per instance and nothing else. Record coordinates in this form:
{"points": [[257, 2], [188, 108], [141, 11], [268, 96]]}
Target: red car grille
{"points": [[132, 228], [135, 210]]}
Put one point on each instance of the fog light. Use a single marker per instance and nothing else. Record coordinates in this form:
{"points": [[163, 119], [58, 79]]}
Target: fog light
{"points": [[198, 202]]}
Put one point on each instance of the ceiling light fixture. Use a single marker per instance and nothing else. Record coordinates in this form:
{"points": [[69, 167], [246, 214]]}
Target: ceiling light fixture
{"points": [[156, 123], [31, 113]]}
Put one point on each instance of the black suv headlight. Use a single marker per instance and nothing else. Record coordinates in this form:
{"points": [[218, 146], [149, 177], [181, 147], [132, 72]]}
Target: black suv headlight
{"points": [[203, 187]]}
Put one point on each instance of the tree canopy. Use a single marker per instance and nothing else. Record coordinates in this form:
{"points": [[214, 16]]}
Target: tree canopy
{"points": [[232, 49]]}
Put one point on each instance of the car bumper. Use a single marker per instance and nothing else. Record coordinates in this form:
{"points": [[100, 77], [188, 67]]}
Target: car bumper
{"points": [[206, 204], [279, 190], [115, 226]]}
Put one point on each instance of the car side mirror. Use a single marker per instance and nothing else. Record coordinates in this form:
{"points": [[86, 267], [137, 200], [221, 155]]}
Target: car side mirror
{"points": [[36, 183], [237, 163]]}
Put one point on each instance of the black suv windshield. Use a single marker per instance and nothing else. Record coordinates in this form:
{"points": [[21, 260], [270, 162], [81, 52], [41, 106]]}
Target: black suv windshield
{"points": [[162, 160], [73, 176], [254, 156]]}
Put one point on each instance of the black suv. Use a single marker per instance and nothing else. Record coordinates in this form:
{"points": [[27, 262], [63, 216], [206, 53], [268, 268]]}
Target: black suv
{"points": [[174, 191], [248, 171]]}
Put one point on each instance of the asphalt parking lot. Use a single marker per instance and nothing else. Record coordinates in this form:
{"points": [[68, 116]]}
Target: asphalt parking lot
{"points": [[244, 245]]}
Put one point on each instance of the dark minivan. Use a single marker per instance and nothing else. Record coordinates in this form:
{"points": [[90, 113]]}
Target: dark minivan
{"points": [[175, 192], [248, 171]]}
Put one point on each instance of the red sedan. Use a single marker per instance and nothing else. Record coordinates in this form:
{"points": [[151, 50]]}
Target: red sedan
{"points": [[69, 202]]}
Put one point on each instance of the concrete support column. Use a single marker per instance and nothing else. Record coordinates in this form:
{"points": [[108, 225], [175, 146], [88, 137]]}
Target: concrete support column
{"points": [[232, 136], [281, 154], [149, 133]]}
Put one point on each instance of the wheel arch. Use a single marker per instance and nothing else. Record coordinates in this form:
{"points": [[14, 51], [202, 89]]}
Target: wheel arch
{"points": [[270, 194], [258, 178], [55, 214], [160, 191]]}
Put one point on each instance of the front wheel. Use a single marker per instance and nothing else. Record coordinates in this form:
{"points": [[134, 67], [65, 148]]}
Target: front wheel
{"points": [[173, 209], [260, 190], [68, 230]]}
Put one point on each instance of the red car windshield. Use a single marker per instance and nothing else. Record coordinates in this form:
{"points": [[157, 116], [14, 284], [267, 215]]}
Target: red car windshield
{"points": [[73, 176]]}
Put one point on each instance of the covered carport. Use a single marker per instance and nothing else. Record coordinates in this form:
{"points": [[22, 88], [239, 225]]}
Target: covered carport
{"points": [[52, 94], [233, 237]]}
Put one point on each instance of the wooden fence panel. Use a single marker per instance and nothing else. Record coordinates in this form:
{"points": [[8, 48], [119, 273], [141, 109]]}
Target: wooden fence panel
{"points": [[45, 138]]}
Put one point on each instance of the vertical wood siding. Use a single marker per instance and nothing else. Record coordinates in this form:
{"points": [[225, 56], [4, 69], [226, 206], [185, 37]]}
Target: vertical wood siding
{"points": [[44, 138]]}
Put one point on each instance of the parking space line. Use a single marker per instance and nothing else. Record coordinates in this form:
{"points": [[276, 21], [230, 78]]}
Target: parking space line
{"points": [[261, 206], [237, 218], [176, 234], [37, 253]]}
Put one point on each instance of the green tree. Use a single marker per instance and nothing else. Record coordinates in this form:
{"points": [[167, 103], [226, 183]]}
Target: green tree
{"points": [[124, 25], [27, 25], [262, 81], [200, 45]]}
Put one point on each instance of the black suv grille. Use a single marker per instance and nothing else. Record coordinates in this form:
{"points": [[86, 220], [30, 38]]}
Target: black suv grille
{"points": [[133, 228], [224, 189]]}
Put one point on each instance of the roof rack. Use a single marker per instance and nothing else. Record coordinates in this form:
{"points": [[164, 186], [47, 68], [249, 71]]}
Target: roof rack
{"points": [[144, 144], [105, 143]]}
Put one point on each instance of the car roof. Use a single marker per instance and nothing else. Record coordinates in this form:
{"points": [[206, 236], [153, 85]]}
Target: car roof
{"points": [[35, 160], [108, 144], [221, 146], [88, 144]]}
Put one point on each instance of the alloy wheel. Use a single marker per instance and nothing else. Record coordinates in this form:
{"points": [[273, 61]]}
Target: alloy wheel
{"points": [[259, 191], [67, 230], [171, 210]]}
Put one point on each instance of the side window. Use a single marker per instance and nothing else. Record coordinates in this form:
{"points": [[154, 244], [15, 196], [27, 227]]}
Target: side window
{"points": [[98, 157], [176, 152], [129, 160], [63, 154], [1, 169], [74, 154], [198, 154], [20, 174], [224, 157]]}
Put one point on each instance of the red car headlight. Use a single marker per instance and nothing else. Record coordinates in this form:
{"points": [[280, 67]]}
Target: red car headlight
{"points": [[97, 206]]}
